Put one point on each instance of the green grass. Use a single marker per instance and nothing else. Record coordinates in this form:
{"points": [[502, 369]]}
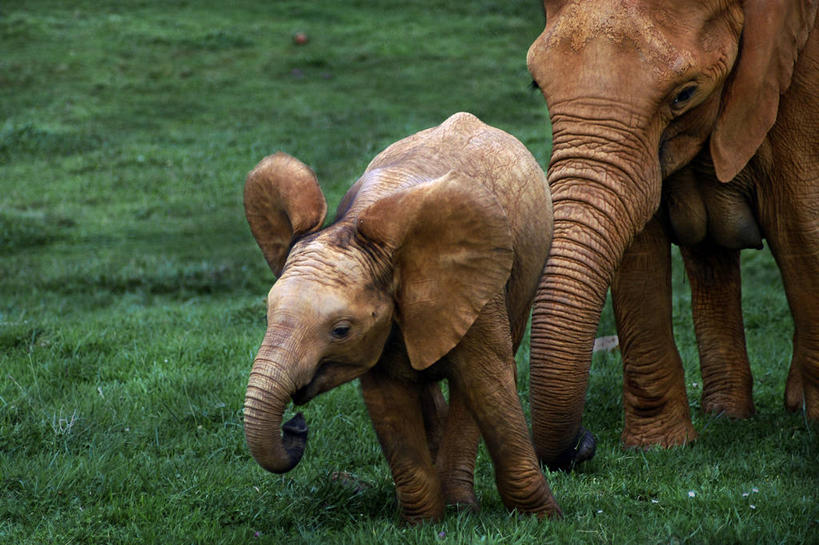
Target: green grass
{"points": [[131, 289]]}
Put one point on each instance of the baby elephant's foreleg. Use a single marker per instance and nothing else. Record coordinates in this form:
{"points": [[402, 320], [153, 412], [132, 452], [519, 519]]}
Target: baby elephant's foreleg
{"points": [[483, 369], [396, 413]]}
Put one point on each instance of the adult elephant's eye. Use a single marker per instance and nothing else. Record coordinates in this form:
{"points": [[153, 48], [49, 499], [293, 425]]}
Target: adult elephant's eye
{"points": [[684, 96], [341, 330]]}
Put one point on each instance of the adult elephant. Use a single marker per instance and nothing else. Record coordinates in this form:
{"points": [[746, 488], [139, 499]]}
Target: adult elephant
{"points": [[648, 99]]}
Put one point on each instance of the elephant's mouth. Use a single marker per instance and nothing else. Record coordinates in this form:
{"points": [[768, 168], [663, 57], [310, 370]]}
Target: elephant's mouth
{"points": [[303, 395], [328, 376]]}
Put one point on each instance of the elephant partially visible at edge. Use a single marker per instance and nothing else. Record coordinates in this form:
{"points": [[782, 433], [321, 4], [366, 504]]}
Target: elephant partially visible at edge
{"points": [[648, 102], [427, 273]]}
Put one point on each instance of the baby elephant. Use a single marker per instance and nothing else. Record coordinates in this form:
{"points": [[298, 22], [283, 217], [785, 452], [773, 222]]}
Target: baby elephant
{"points": [[426, 274]]}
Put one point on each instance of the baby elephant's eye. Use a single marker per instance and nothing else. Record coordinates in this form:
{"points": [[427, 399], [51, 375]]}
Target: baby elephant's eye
{"points": [[340, 331]]}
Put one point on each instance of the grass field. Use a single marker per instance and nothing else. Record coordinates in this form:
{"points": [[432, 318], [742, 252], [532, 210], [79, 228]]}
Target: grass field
{"points": [[131, 290]]}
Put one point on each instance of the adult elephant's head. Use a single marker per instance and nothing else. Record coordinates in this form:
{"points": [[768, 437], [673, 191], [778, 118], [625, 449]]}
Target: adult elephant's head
{"points": [[635, 90]]}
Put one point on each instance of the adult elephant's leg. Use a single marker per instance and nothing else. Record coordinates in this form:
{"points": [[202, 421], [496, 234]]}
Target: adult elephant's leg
{"points": [[457, 453], [396, 414], [716, 306], [799, 274], [654, 398], [793, 235], [483, 370]]}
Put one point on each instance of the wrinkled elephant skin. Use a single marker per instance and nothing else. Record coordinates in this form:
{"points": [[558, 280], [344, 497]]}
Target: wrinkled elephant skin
{"points": [[427, 273], [673, 121]]}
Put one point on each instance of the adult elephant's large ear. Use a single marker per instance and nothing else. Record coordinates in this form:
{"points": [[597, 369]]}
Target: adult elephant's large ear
{"points": [[282, 201], [772, 36], [452, 251]]}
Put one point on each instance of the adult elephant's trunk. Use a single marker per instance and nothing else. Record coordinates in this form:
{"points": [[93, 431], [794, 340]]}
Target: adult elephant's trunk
{"points": [[605, 187], [268, 392]]}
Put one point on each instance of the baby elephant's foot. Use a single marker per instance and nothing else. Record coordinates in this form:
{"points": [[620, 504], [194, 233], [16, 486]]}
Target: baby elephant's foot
{"points": [[528, 492], [583, 448], [421, 513], [550, 510], [461, 495], [420, 498]]}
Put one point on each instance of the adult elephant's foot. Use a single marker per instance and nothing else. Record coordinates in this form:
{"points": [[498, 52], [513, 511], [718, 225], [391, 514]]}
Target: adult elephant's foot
{"points": [[727, 384], [582, 448], [802, 395], [738, 404], [794, 396], [662, 433], [664, 421]]}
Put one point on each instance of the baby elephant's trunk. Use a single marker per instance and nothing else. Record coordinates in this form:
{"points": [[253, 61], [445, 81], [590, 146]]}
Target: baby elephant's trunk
{"points": [[268, 392]]}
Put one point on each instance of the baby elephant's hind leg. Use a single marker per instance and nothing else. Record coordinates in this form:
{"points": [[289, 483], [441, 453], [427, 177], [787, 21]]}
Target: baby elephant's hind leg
{"points": [[457, 453], [435, 411]]}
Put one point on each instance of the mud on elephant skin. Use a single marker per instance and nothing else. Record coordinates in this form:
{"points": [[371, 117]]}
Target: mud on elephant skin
{"points": [[641, 94], [427, 273]]}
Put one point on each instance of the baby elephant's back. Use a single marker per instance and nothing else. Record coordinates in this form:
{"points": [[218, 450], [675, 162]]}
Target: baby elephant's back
{"points": [[487, 155]]}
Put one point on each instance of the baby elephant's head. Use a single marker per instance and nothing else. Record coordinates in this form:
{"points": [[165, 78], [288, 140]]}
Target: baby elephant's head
{"points": [[419, 261], [328, 315]]}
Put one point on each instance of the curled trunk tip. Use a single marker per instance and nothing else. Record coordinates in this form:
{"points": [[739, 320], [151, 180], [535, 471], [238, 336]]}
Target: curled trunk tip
{"points": [[294, 438], [276, 454]]}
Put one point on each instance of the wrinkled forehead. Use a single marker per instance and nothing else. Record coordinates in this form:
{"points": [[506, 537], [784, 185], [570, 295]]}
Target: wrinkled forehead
{"points": [[298, 301], [324, 262], [315, 280], [641, 26]]}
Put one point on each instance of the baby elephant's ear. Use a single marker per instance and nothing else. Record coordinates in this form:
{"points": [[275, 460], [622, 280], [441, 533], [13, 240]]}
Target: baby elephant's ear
{"points": [[452, 252], [282, 201]]}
